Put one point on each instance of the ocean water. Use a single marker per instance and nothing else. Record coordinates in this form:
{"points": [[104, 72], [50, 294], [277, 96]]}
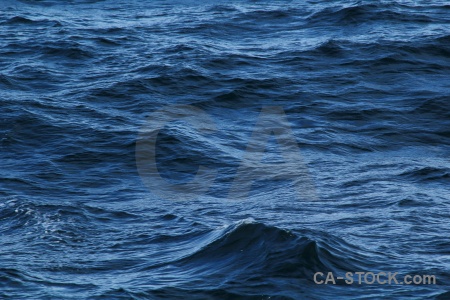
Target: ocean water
{"points": [[223, 149]]}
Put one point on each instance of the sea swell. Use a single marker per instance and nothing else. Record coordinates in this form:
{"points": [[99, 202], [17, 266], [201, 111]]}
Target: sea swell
{"points": [[363, 86]]}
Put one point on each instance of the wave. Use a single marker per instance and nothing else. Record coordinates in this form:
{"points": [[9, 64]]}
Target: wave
{"points": [[364, 13], [18, 20], [258, 249], [60, 223], [245, 260], [9, 82], [431, 174], [67, 50]]}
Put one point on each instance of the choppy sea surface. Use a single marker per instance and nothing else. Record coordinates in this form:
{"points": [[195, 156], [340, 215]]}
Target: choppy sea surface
{"points": [[364, 87]]}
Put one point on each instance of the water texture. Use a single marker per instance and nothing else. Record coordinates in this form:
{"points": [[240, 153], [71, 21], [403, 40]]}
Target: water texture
{"points": [[364, 86]]}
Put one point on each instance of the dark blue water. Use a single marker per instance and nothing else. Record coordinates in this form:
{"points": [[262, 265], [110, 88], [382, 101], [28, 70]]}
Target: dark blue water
{"points": [[364, 87]]}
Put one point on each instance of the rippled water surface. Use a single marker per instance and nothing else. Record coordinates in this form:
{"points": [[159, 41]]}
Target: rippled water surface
{"points": [[364, 86]]}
